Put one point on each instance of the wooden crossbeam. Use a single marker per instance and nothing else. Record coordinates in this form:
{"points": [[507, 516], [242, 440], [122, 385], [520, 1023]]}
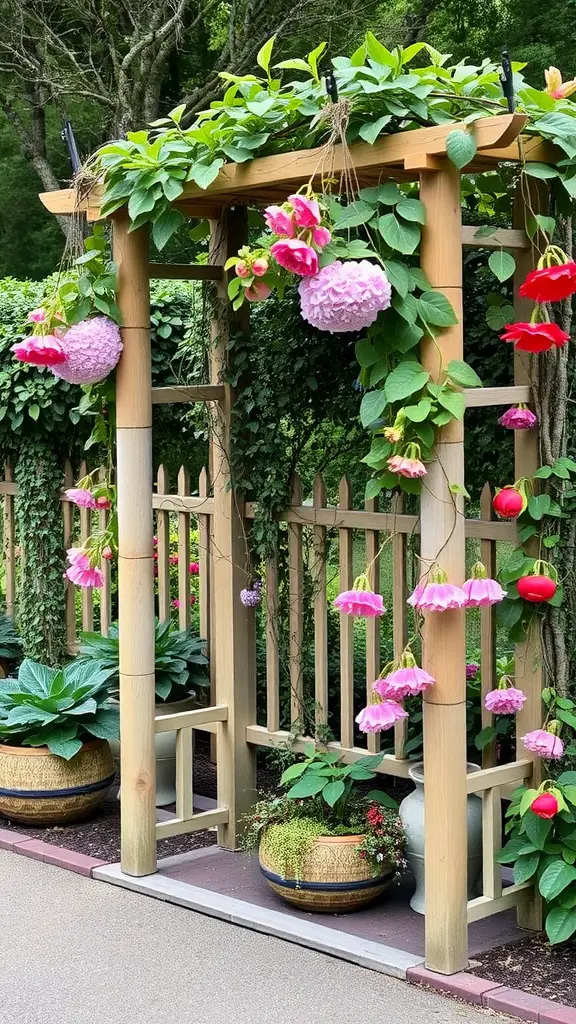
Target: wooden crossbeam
{"points": [[512, 395], [192, 393], [501, 775], [185, 272], [260, 736], [197, 823], [191, 719], [502, 238], [485, 906]]}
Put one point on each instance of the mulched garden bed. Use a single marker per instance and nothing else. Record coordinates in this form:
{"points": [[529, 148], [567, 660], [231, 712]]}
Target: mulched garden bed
{"points": [[533, 966]]}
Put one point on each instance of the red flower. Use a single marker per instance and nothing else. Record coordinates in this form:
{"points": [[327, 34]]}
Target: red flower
{"points": [[550, 284], [536, 589], [375, 816], [545, 805], [508, 503], [535, 337]]}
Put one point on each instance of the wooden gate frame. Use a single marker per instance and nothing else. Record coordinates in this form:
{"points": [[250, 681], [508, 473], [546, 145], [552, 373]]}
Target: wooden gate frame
{"points": [[414, 155]]}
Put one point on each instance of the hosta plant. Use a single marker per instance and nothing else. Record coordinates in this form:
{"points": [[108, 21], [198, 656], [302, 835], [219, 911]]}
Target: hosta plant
{"points": [[10, 642], [57, 708], [180, 662]]}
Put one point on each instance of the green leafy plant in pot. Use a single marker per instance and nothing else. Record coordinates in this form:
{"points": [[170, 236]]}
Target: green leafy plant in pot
{"points": [[55, 759], [324, 843], [10, 644]]}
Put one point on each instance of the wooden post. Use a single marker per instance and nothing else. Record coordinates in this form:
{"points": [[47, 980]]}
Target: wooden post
{"points": [[135, 550], [234, 624], [444, 657], [9, 545]]}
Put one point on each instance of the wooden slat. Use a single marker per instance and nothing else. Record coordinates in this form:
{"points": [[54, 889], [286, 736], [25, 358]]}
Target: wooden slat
{"points": [[487, 629], [184, 553], [191, 719], [9, 543], [204, 567], [296, 607], [320, 609], [389, 765], [372, 623], [163, 548], [87, 597], [500, 775], [184, 272], [184, 781], [8, 487], [272, 647], [188, 393], [502, 238], [399, 612], [345, 557], [182, 503], [105, 592], [197, 823], [476, 397], [491, 842], [484, 906]]}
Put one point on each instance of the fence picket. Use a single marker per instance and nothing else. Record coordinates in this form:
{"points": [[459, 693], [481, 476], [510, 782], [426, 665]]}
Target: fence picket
{"points": [[184, 553], [9, 546], [87, 597], [372, 623], [272, 648], [399, 612], [296, 607], [488, 628], [346, 568], [105, 592], [163, 548], [204, 564], [320, 608]]}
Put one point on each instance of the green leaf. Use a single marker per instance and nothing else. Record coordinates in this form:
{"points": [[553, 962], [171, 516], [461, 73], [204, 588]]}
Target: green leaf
{"points": [[539, 505], [399, 235], [567, 717], [204, 174], [293, 772], [517, 847], [543, 171], [454, 402], [62, 744], [309, 785], [264, 54], [406, 379], [484, 737], [380, 797], [106, 724], [526, 866], [378, 52], [560, 924], [556, 877], [354, 215], [295, 64], [498, 316], [502, 264], [388, 194], [333, 791], [526, 801], [398, 276], [537, 829], [460, 148], [34, 411], [165, 226], [372, 406], [570, 791], [412, 209], [371, 129], [460, 373], [418, 413], [435, 309]]}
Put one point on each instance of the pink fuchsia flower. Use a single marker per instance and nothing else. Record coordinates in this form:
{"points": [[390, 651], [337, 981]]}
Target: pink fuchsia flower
{"points": [[107, 553], [306, 211], [280, 221], [40, 350], [472, 669], [480, 590], [344, 296], [321, 237], [173, 559], [406, 681], [175, 602], [380, 716], [361, 600], [260, 267], [192, 598], [37, 316], [506, 700], [92, 350], [545, 743], [81, 496], [437, 595], [294, 255], [257, 292], [241, 269], [519, 417], [103, 504], [194, 568], [409, 464], [81, 572]]}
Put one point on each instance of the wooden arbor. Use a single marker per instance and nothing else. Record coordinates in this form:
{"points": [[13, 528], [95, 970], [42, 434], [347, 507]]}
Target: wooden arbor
{"points": [[417, 155]]}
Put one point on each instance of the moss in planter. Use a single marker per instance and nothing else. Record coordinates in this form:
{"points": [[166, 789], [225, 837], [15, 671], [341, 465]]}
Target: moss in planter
{"points": [[286, 844]]}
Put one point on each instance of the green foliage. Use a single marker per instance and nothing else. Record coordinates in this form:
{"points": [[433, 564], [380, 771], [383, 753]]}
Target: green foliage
{"points": [[287, 843], [321, 775], [180, 664], [57, 708], [10, 642], [41, 618], [89, 287]]}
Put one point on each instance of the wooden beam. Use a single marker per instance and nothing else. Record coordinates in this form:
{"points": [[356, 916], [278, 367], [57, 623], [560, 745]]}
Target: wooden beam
{"points": [[485, 906], [477, 397], [191, 719], [501, 775], [188, 393], [502, 238], [261, 737], [183, 503], [197, 823], [184, 272]]}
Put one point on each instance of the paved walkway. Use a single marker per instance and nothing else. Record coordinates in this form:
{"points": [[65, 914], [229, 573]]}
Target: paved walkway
{"points": [[77, 951]]}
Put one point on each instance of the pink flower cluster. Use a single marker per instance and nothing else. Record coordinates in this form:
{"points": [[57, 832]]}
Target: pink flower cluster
{"points": [[301, 234], [518, 417], [344, 297], [544, 743], [380, 715], [438, 595], [361, 600], [505, 700], [83, 354], [81, 572], [406, 681], [84, 498], [252, 596]]}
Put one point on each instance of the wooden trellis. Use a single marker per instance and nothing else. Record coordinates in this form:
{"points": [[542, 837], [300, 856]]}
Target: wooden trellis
{"points": [[411, 156]]}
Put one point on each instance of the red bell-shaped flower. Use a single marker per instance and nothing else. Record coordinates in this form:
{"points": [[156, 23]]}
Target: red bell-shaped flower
{"points": [[508, 503], [545, 805]]}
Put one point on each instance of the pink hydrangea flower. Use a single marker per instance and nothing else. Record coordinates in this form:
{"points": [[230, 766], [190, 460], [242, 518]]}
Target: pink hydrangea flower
{"points": [[81, 572], [505, 701], [321, 237], [37, 316], [546, 744], [306, 211], [92, 350], [258, 291], [294, 255], [407, 681], [280, 221], [40, 350], [81, 496], [380, 716], [411, 468], [252, 596], [361, 600], [194, 568], [437, 595], [519, 417], [345, 296], [480, 590], [472, 669]]}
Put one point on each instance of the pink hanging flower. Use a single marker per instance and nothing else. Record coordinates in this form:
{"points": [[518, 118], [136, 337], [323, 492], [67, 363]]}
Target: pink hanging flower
{"points": [[306, 211], [321, 237], [280, 221], [81, 572], [544, 742], [92, 350], [260, 267], [294, 255], [241, 269], [81, 496], [257, 292], [406, 681], [194, 568], [40, 350], [192, 598], [519, 417], [437, 595], [472, 669], [480, 590], [380, 716], [37, 316], [252, 596], [107, 553], [173, 559], [409, 464], [175, 602], [344, 296], [361, 600], [505, 700]]}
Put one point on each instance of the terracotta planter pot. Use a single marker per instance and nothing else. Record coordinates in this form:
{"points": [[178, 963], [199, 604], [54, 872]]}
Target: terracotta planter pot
{"points": [[38, 788], [333, 877]]}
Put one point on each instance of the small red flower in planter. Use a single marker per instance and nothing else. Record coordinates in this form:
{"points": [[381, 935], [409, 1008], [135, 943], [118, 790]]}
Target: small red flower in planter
{"points": [[540, 585], [552, 283], [535, 337], [545, 805], [509, 502]]}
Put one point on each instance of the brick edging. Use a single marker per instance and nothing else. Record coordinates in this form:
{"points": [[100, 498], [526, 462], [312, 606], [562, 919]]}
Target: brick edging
{"points": [[494, 996], [16, 842]]}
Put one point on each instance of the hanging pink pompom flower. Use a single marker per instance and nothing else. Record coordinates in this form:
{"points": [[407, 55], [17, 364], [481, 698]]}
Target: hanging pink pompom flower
{"points": [[480, 590], [81, 572], [257, 292], [252, 596], [194, 568], [321, 237], [36, 316], [280, 221], [361, 600], [294, 255], [544, 743], [40, 350], [82, 497], [472, 669], [506, 700], [406, 681], [175, 602], [92, 350], [437, 595], [380, 716], [404, 466], [519, 417], [306, 211], [345, 296]]}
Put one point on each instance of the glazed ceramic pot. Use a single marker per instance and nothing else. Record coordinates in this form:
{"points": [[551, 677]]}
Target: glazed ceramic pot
{"points": [[333, 878], [38, 788], [412, 817]]}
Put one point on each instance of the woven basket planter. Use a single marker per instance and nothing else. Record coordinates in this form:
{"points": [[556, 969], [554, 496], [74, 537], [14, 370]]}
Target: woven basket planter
{"points": [[333, 878], [38, 788]]}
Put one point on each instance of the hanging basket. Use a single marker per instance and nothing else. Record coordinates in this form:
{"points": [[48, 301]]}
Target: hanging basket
{"points": [[92, 350], [344, 296]]}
